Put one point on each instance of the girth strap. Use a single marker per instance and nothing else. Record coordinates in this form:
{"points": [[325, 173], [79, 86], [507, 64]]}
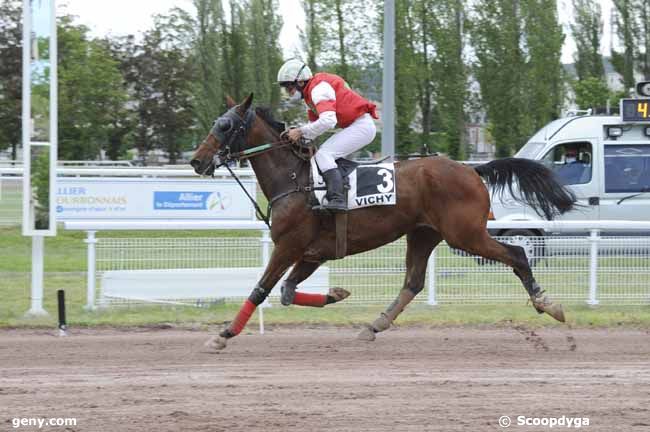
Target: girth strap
{"points": [[341, 221]]}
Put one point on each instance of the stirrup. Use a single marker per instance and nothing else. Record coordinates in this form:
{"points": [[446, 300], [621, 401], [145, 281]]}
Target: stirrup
{"points": [[331, 206]]}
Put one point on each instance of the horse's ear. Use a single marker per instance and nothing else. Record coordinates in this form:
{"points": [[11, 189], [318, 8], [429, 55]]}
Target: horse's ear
{"points": [[247, 103], [230, 102]]}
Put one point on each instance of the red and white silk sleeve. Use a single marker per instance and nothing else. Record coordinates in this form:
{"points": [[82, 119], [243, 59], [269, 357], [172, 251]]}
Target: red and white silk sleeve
{"points": [[324, 98]]}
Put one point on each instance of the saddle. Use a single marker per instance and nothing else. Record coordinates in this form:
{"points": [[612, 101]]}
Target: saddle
{"points": [[364, 184], [346, 167]]}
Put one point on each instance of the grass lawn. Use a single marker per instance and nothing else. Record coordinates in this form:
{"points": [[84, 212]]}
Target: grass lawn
{"points": [[65, 265], [15, 302]]}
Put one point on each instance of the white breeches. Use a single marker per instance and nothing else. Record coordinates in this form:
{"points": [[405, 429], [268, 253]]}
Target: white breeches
{"points": [[359, 134]]}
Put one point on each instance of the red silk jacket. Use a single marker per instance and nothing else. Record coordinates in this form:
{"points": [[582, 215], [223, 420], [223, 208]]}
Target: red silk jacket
{"points": [[348, 105]]}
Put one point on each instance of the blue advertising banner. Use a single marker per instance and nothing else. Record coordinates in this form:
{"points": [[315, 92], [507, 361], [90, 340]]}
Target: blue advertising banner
{"points": [[129, 198]]}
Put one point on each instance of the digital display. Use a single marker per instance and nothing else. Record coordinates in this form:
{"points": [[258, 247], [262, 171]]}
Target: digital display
{"points": [[635, 110]]}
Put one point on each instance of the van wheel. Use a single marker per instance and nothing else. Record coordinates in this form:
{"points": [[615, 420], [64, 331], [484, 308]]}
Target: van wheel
{"points": [[534, 249]]}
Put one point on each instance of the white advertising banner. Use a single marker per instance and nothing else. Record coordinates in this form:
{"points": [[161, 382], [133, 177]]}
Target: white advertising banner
{"points": [[138, 198]]}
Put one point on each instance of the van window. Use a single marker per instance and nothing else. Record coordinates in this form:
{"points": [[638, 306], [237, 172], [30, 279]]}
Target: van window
{"points": [[571, 162], [530, 150], [627, 168]]}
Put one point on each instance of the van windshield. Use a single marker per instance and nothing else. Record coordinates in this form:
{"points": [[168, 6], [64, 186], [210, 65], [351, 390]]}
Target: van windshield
{"points": [[530, 150]]}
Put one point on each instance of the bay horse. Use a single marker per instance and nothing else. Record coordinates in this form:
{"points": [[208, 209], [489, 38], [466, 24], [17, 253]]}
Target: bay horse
{"points": [[437, 199]]}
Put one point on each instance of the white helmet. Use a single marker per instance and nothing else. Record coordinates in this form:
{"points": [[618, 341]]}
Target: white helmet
{"points": [[294, 70]]}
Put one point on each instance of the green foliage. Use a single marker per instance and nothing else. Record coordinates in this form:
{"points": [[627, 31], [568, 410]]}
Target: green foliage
{"points": [[643, 11], [208, 40], [40, 182], [431, 83], [626, 29], [545, 77], [10, 74], [405, 80], [587, 32], [313, 34], [164, 90], [450, 74], [263, 27], [591, 93], [91, 92], [166, 74], [345, 43], [518, 47]]}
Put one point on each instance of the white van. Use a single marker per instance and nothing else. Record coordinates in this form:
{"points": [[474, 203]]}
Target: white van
{"points": [[604, 160]]}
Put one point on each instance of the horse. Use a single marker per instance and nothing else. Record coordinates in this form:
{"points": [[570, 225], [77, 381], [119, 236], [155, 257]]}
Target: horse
{"points": [[437, 199]]}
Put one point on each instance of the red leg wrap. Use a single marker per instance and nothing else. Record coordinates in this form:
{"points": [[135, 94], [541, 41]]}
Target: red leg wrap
{"points": [[242, 317], [305, 299]]}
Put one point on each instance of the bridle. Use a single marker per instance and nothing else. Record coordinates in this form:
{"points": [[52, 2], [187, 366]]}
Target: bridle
{"points": [[231, 129]]}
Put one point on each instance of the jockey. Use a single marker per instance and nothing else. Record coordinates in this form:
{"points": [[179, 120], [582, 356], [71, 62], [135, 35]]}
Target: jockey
{"points": [[330, 102]]}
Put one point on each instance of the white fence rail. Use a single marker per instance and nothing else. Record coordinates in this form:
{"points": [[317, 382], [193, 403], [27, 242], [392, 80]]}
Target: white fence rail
{"points": [[591, 269]]}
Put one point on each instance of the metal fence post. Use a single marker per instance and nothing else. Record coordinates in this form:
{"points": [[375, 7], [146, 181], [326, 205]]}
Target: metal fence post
{"points": [[431, 283], [266, 246], [36, 298], [594, 238], [90, 283]]}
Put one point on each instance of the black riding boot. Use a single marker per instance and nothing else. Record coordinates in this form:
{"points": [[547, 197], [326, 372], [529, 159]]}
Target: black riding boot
{"points": [[335, 196]]}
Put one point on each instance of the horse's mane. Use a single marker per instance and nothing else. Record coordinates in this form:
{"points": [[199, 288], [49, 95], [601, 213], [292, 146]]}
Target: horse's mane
{"points": [[265, 114]]}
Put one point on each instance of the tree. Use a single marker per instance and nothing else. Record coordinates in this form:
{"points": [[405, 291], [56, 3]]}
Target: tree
{"points": [[450, 74], [263, 29], [92, 96], [518, 45], [643, 8], [545, 75], [406, 78], [626, 26], [209, 45], [313, 34], [587, 31], [497, 35], [10, 75], [165, 76], [591, 92]]}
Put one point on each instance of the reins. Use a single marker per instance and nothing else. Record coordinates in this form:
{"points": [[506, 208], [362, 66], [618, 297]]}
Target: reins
{"points": [[258, 210], [256, 151]]}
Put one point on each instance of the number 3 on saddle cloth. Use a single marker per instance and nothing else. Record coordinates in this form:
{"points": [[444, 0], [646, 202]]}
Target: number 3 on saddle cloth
{"points": [[366, 185]]}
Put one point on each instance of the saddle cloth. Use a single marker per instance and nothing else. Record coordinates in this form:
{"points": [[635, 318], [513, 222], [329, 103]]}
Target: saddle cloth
{"points": [[369, 185]]}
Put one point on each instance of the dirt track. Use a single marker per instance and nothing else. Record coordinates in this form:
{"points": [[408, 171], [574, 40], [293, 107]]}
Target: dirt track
{"points": [[410, 379]]}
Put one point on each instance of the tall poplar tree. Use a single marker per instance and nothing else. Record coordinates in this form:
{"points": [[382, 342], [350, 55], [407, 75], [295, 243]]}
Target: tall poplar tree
{"points": [[626, 30], [208, 43], [545, 75], [518, 47], [450, 73], [643, 8], [497, 36], [10, 74], [587, 32]]}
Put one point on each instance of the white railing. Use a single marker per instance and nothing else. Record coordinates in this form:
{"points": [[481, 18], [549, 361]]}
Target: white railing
{"points": [[128, 172], [591, 269]]}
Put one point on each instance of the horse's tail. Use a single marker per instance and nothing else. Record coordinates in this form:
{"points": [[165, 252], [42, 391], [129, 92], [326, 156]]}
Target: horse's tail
{"points": [[538, 186]]}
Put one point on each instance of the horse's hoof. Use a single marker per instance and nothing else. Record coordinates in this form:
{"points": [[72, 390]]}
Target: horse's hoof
{"points": [[556, 311], [382, 323], [338, 294], [546, 305], [216, 343], [367, 334]]}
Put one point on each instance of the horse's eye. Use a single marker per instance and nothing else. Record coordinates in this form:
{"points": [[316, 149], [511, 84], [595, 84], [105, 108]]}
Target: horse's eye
{"points": [[224, 124]]}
